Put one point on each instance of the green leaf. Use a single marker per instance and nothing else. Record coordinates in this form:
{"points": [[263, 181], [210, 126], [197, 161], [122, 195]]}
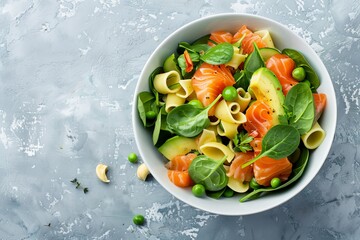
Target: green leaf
{"points": [[219, 54], [241, 81], [216, 194], [157, 128], [300, 61], [144, 101], [195, 48], [241, 142], [300, 106], [187, 120], [202, 40], [208, 172], [279, 142], [253, 62], [182, 63], [298, 170]]}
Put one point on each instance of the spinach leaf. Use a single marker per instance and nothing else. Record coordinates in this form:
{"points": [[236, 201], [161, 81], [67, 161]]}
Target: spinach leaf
{"points": [[300, 61], [144, 102], [279, 142], [253, 62], [300, 108], [202, 40], [241, 81], [208, 172], [151, 83], [217, 194], [187, 120], [219, 54], [157, 128], [196, 48], [298, 170]]}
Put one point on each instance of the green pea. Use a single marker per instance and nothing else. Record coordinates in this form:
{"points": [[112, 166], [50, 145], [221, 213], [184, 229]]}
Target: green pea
{"points": [[150, 115], [228, 193], [299, 74], [229, 93], [253, 184], [198, 190], [132, 157], [275, 182], [139, 219], [196, 103]]}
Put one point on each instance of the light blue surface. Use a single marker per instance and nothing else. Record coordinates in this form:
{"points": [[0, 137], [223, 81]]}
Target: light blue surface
{"points": [[68, 69]]}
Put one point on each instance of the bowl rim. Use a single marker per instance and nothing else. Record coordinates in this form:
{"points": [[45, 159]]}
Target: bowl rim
{"points": [[305, 181]]}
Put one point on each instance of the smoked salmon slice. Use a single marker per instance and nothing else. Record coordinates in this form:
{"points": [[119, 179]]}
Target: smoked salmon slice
{"points": [[209, 81], [258, 119], [220, 37], [267, 168], [249, 39], [178, 170], [320, 103], [282, 66], [239, 173]]}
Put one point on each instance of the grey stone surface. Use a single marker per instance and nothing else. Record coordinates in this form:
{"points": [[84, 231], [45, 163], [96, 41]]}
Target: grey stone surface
{"points": [[68, 69]]}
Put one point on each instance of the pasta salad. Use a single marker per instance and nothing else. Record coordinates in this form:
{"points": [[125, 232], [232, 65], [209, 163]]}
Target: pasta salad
{"points": [[233, 114]]}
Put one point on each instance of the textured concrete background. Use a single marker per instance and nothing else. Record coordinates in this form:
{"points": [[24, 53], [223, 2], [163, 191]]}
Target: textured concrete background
{"points": [[68, 69]]}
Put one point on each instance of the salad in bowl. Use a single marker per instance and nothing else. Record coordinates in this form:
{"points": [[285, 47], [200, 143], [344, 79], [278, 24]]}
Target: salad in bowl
{"points": [[235, 115]]}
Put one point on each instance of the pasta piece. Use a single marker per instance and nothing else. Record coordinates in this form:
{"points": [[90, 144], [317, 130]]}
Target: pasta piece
{"points": [[168, 82], [223, 111], [236, 59], [238, 186], [266, 37], [217, 151], [243, 99], [227, 129], [172, 101], [314, 137], [206, 137], [185, 89], [192, 96], [214, 121], [142, 172]]}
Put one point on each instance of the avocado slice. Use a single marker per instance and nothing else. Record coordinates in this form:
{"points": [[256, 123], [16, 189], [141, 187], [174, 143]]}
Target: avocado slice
{"points": [[177, 146], [267, 53], [265, 86]]}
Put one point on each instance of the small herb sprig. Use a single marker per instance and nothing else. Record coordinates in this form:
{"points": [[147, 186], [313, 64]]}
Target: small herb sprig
{"points": [[78, 185], [242, 142]]}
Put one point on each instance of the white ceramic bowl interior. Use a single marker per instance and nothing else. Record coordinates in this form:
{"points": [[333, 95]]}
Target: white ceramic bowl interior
{"points": [[283, 38]]}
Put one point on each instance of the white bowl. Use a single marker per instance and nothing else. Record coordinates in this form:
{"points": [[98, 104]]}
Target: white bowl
{"points": [[283, 38]]}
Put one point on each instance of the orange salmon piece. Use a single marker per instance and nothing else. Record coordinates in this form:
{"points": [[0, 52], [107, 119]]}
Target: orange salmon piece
{"points": [[178, 170], [249, 39], [209, 81], [220, 37], [239, 173], [258, 119], [267, 168], [282, 66], [320, 103]]}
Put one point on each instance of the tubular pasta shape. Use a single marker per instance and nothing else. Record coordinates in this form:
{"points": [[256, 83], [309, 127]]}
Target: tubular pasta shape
{"points": [[236, 59], [214, 121], [243, 99], [206, 137], [266, 37], [217, 151], [227, 129], [172, 101], [226, 112], [168, 82], [185, 89], [314, 137]]}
